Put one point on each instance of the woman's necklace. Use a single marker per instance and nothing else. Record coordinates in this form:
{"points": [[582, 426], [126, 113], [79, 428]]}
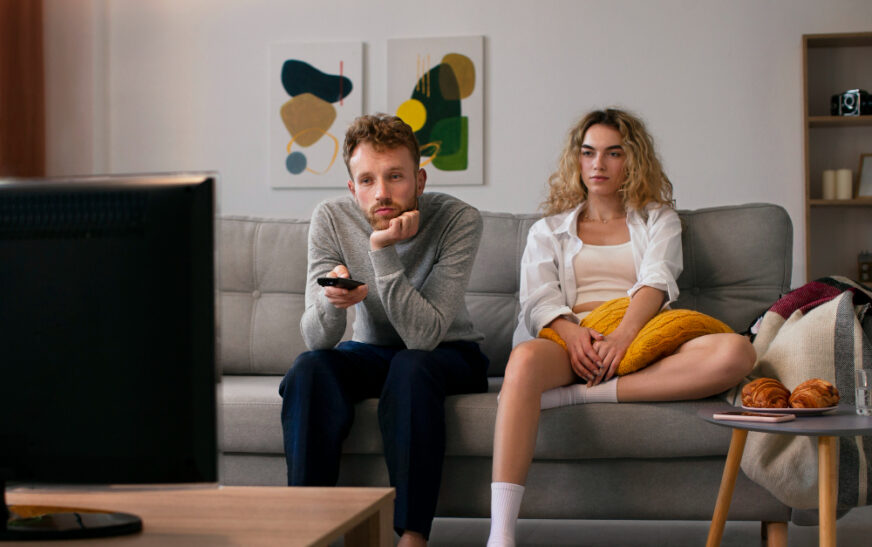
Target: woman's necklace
{"points": [[586, 218]]}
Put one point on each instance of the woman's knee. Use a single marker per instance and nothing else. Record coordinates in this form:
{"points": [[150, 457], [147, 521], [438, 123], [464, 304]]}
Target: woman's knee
{"points": [[522, 370], [736, 355]]}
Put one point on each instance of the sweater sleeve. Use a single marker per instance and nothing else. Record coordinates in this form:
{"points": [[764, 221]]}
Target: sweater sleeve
{"points": [[322, 324], [422, 317]]}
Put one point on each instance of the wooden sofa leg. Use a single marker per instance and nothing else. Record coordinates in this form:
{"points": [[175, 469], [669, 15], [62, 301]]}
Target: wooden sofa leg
{"points": [[774, 533]]}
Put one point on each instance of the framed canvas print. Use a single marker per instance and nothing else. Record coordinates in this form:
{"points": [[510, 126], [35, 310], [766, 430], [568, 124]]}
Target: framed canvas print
{"points": [[864, 186], [435, 85], [315, 92]]}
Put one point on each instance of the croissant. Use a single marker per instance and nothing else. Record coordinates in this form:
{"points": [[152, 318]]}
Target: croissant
{"points": [[814, 393], [765, 393]]}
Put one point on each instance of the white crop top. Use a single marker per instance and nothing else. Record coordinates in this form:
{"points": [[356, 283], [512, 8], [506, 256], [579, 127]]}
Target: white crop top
{"points": [[603, 272]]}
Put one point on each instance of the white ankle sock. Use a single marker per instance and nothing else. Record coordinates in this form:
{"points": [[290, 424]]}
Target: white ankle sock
{"points": [[576, 394], [505, 505]]}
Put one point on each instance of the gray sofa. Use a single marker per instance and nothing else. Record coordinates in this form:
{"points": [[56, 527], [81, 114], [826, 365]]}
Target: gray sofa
{"points": [[598, 461]]}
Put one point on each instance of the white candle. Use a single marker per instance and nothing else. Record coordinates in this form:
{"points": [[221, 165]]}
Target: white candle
{"points": [[844, 184], [829, 184]]}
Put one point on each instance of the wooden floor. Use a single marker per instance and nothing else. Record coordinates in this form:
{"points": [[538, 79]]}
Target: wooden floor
{"points": [[854, 529]]}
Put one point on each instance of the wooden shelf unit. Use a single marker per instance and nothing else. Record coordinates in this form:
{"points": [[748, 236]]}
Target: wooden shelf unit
{"points": [[836, 230]]}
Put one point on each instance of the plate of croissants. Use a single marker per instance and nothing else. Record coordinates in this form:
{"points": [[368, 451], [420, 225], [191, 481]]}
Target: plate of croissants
{"points": [[811, 397]]}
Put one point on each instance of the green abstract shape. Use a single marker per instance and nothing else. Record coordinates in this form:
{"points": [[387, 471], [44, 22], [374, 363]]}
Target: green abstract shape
{"points": [[447, 133], [454, 152], [429, 91]]}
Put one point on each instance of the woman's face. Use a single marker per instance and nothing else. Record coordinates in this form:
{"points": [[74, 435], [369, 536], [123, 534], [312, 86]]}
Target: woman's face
{"points": [[602, 160]]}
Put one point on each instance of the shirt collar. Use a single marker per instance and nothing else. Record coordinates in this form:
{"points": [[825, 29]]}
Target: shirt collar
{"points": [[569, 225]]}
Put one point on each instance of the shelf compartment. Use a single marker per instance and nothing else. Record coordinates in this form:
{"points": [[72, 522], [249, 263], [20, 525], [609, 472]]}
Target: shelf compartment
{"points": [[836, 237]]}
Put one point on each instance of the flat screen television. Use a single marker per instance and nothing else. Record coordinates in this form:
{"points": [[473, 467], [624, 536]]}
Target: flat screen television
{"points": [[107, 336]]}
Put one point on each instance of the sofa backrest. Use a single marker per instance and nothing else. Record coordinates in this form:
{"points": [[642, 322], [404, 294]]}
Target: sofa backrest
{"points": [[737, 261], [492, 294]]}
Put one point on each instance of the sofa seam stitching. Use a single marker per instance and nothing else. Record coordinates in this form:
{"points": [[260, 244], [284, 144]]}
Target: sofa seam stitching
{"points": [[254, 306]]}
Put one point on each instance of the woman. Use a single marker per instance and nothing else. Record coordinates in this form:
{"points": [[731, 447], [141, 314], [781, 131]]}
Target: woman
{"points": [[610, 232]]}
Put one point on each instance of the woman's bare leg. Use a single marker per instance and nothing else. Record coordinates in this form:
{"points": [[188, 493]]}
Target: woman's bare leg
{"points": [[534, 367], [701, 367]]}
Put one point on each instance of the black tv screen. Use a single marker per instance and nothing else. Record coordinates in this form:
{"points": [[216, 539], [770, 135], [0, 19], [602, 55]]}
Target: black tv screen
{"points": [[107, 330]]}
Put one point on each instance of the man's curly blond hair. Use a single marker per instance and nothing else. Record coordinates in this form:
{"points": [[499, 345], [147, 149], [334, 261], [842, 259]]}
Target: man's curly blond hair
{"points": [[645, 181]]}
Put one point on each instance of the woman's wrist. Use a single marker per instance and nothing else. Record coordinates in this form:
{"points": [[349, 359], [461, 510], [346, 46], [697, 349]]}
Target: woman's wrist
{"points": [[562, 326], [624, 333]]}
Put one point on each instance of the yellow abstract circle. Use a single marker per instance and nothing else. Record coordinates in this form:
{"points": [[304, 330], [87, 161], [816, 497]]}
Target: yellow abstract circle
{"points": [[413, 113]]}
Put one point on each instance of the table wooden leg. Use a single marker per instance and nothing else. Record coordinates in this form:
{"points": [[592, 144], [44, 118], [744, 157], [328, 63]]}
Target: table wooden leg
{"points": [[827, 482], [375, 531], [386, 524], [776, 534], [365, 534], [728, 484]]}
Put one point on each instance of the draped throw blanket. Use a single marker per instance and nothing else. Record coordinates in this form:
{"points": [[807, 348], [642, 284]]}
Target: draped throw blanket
{"points": [[814, 331]]}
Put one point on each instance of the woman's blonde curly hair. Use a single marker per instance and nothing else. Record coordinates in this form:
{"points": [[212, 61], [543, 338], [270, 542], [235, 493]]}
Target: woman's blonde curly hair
{"points": [[645, 180]]}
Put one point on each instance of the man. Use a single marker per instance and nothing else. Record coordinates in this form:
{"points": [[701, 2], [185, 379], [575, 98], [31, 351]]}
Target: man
{"points": [[413, 340]]}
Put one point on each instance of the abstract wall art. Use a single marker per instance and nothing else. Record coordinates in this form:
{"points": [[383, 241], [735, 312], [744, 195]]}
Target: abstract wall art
{"points": [[435, 85], [315, 93]]}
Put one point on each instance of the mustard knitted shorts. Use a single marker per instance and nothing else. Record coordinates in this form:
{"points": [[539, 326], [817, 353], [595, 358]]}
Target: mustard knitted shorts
{"points": [[661, 336]]}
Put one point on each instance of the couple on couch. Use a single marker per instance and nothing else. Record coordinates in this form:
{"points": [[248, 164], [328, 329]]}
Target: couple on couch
{"points": [[597, 276]]}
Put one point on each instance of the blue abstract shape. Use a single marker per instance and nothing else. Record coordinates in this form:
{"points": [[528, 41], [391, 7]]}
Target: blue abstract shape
{"points": [[296, 163], [301, 77]]}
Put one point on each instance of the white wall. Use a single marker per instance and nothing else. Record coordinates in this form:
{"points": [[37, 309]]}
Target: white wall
{"points": [[76, 113], [163, 85]]}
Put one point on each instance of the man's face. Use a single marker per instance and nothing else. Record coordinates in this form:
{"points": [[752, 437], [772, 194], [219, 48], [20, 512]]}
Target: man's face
{"points": [[384, 183]]}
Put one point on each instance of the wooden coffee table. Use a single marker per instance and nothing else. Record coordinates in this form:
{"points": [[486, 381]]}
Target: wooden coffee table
{"points": [[842, 421], [234, 515]]}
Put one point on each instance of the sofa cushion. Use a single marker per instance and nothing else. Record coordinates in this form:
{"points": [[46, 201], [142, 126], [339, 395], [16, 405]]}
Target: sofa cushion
{"points": [[251, 414], [252, 424], [262, 280], [726, 277]]}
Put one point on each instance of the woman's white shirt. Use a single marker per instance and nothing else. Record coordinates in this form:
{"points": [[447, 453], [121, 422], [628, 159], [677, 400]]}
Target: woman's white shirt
{"points": [[548, 287]]}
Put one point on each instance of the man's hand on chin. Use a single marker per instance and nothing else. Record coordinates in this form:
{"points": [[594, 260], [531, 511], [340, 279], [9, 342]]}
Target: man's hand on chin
{"points": [[400, 228]]}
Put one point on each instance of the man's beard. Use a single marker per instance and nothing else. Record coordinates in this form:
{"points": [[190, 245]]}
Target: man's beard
{"points": [[381, 223]]}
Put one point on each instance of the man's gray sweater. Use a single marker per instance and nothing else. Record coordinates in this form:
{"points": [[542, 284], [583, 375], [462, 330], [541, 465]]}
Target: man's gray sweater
{"points": [[416, 287]]}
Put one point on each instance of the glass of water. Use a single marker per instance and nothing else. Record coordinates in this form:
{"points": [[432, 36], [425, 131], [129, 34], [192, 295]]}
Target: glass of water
{"points": [[863, 383]]}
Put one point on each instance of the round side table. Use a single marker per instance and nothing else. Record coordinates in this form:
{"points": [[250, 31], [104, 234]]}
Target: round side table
{"points": [[843, 421]]}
